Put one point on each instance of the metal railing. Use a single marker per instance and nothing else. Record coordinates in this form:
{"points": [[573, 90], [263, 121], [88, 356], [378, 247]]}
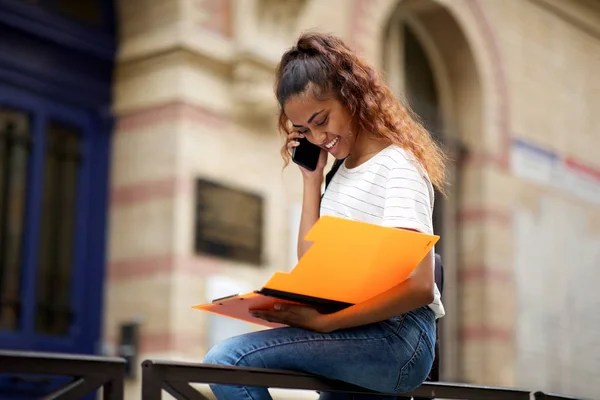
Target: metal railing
{"points": [[175, 378], [89, 373]]}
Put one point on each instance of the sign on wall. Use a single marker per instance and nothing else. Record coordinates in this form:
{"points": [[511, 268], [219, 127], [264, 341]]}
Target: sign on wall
{"points": [[548, 168], [229, 222]]}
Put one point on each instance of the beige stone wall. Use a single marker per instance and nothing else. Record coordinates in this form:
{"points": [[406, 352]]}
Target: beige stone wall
{"points": [[552, 55], [193, 96]]}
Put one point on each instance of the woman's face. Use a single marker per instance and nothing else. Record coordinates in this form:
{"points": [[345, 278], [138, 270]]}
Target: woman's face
{"points": [[325, 123]]}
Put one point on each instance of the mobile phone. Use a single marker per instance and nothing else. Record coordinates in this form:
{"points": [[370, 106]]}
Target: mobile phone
{"points": [[306, 154]]}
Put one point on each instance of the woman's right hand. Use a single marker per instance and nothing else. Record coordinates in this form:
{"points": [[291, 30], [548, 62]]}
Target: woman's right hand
{"points": [[317, 174]]}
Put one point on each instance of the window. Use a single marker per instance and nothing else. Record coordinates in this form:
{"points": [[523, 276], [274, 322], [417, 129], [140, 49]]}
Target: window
{"points": [[62, 158], [44, 259], [15, 147], [88, 12]]}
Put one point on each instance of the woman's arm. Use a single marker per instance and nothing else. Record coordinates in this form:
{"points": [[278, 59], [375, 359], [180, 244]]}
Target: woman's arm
{"points": [[311, 200], [408, 205], [310, 211]]}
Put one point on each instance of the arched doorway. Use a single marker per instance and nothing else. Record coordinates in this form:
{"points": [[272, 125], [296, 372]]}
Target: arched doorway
{"points": [[431, 68]]}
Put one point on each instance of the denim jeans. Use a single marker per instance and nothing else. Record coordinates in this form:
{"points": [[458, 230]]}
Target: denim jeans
{"points": [[393, 356]]}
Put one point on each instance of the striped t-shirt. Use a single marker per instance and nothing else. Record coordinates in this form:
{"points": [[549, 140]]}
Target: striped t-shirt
{"points": [[390, 189]]}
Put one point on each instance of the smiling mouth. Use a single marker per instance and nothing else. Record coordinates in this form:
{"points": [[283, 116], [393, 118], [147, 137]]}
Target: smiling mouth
{"points": [[329, 145]]}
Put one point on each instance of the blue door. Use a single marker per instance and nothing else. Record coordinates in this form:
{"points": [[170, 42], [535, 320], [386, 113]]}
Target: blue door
{"points": [[51, 238], [56, 66]]}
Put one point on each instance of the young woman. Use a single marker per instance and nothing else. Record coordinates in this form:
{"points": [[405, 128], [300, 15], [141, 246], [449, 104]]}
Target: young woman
{"points": [[390, 165]]}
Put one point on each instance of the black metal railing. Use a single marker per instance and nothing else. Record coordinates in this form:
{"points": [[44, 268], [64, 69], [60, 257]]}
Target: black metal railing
{"points": [[175, 378], [88, 373]]}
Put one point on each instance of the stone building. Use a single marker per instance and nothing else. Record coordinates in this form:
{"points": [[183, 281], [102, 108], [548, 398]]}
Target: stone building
{"points": [[509, 86]]}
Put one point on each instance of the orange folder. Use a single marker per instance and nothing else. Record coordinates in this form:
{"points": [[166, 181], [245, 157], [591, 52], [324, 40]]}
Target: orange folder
{"points": [[239, 306], [349, 262]]}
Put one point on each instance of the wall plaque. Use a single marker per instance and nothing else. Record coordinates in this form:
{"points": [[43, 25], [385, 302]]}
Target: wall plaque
{"points": [[229, 222]]}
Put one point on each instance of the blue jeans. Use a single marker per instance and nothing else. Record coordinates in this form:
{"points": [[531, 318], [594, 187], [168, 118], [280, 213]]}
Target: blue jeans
{"points": [[393, 356]]}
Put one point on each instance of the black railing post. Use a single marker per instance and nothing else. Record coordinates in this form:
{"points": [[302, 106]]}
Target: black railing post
{"points": [[114, 389], [152, 381]]}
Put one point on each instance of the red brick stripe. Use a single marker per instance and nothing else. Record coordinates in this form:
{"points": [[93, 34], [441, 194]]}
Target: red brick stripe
{"points": [[142, 267], [170, 187], [170, 341], [484, 274], [486, 333], [591, 171], [470, 215], [159, 189], [158, 342], [480, 160], [168, 112]]}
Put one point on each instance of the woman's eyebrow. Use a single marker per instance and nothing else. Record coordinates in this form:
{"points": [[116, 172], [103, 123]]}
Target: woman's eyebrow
{"points": [[310, 119]]}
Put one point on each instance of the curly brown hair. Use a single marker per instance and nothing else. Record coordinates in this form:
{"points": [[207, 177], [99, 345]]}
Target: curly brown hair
{"points": [[326, 66]]}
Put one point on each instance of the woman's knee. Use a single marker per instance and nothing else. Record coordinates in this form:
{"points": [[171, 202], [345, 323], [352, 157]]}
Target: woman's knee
{"points": [[242, 350], [224, 353]]}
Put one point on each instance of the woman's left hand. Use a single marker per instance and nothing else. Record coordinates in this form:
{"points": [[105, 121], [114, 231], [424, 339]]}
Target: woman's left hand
{"points": [[298, 316]]}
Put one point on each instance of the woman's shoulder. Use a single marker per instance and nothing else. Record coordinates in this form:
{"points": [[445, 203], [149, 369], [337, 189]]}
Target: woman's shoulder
{"points": [[402, 162], [395, 156]]}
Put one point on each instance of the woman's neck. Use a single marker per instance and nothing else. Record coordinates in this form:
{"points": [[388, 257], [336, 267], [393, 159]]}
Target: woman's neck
{"points": [[364, 148]]}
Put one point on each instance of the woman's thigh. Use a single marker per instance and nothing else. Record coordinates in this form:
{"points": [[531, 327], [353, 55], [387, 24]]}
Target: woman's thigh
{"points": [[414, 345], [372, 356]]}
